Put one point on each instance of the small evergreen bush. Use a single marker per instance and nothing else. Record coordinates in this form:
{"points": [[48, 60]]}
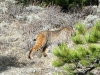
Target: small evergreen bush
{"points": [[86, 54], [94, 35]]}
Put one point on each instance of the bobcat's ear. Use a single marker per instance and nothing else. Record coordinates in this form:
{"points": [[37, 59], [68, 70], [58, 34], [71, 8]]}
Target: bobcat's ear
{"points": [[74, 30], [72, 26]]}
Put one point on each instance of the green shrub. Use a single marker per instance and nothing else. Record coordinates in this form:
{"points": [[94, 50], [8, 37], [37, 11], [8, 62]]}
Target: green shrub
{"points": [[85, 62], [78, 39], [62, 3], [80, 29], [94, 34], [23, 2], [86, 51], [80, 32], [57, 63]]}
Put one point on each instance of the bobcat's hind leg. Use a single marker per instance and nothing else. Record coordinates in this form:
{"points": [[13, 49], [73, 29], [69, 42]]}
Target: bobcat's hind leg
{"points": [[44, 51], [40, 42]]}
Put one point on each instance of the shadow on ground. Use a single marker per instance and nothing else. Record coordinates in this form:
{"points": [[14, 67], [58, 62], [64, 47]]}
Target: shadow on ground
{"points": [[7, 62]]}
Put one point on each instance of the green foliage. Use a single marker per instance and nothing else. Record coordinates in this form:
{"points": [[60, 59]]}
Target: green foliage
{"points": [[81, 52], [96, 30], [80, 32], [78, 39], [80, 29], [70, 67], [61, 50], [94, 47], [57, 63], [85, 52], [97, 26], [85, 62], [62, 3], [91, 39], [94, 35], [23, 2]]}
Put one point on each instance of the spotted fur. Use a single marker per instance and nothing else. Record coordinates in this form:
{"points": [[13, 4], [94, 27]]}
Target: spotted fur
{"points": [[45, 38]]}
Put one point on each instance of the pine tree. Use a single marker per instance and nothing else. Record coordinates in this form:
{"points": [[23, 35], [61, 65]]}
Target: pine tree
{"points": [[86, 53]]}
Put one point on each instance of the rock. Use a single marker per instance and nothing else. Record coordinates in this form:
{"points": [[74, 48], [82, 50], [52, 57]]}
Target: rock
{"points": [[90, 20], [90, 10], [32, 18]]}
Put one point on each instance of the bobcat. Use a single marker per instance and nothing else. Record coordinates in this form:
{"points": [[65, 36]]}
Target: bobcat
{"points": [[46, 38]]}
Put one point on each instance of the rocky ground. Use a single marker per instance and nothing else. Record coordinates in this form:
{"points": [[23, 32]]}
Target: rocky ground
{"points": [[18, 27]]}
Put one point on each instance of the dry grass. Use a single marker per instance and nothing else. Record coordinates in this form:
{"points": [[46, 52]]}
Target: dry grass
{"points": [[18, 27]]}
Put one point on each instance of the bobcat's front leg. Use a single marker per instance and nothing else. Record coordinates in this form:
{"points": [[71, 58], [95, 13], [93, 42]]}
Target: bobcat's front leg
{"points": [[30, 54]]}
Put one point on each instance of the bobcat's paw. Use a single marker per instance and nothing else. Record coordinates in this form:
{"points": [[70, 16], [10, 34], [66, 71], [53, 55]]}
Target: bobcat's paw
{"points": [[30, 57], [44, 55]]}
